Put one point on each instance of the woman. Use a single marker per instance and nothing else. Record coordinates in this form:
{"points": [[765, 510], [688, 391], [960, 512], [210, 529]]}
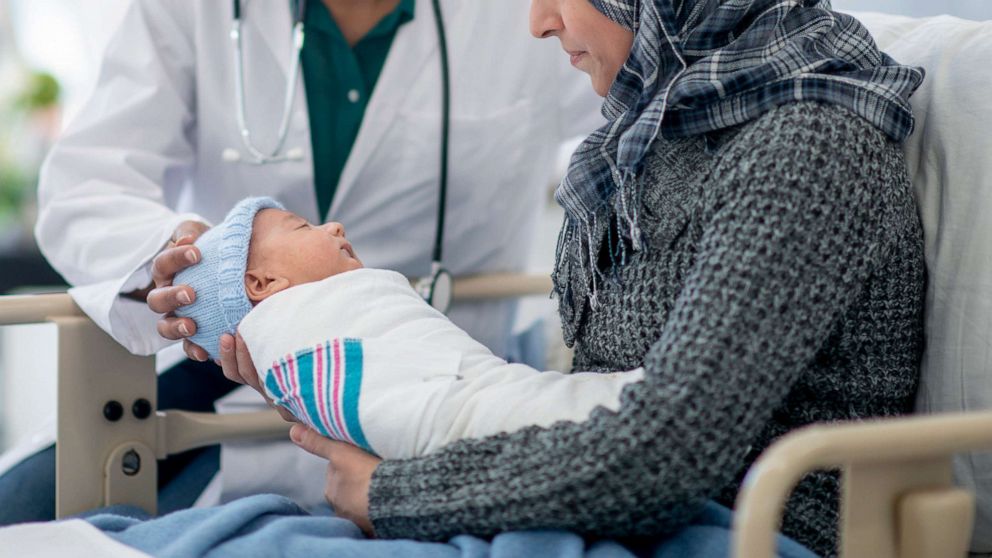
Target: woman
{"points": [[743, 228]]}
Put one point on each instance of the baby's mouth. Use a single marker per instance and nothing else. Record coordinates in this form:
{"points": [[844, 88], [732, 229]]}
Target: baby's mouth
{"points": [[346, 248]]}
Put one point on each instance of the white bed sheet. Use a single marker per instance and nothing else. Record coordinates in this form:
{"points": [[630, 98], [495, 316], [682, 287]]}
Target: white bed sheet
{"points": [[63, 539]]}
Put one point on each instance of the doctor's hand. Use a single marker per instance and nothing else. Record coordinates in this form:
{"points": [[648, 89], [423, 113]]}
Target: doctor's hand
{"points": [[238, 367], [165, 297], [349, 475]]}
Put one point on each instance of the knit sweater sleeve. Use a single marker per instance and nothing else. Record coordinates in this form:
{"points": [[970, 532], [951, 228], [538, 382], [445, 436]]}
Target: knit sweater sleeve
{"points": [[793, 232]]}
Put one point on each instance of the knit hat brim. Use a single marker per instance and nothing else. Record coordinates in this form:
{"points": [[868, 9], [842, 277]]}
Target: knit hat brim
{"points": [[219, 278]]}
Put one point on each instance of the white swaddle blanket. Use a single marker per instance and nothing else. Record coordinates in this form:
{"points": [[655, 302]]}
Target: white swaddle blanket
{"points": [[362, 358]]}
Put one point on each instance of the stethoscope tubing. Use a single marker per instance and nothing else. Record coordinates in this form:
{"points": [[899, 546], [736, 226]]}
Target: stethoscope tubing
{"points": [[442, 40], [260, 157]]}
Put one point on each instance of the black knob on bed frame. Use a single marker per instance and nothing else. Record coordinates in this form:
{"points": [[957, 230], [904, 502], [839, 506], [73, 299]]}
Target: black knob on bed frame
{"points": [[131, 463], [113, 411], [141, 409]]}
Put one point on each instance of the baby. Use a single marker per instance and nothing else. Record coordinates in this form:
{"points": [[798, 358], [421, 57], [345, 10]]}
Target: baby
{"points": [[356, 353]]}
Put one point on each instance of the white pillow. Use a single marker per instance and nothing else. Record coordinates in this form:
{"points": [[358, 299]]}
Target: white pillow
{"points": [[949, 157]]}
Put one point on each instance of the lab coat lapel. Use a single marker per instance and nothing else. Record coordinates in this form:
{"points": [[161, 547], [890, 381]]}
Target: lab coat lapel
{"points": [[415, 46], [273, 21], [266, 35]]}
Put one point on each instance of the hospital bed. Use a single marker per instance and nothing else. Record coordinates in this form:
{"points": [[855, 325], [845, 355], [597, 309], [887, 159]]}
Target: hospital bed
{"points": [[900, 497]]}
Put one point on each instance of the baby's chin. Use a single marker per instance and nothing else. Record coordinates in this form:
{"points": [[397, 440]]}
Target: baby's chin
{"points": [[351, 264]]}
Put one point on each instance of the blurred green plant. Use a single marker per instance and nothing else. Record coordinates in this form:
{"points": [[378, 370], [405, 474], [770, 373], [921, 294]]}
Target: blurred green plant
{"points": [[14, 187], [41, 92], [19, 133]]}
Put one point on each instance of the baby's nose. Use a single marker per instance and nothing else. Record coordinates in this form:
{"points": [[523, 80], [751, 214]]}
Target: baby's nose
{"points": [[336, 229]]}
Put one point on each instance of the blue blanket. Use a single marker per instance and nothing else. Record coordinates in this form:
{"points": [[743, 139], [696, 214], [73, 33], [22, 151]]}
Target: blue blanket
{"points": [[269, 525]]}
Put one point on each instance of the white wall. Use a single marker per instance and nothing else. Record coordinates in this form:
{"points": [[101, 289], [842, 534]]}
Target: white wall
{"points": [[968, 9]]}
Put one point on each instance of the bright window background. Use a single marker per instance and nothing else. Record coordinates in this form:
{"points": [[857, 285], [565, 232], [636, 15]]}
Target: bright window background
{"points": [[65, 38]]}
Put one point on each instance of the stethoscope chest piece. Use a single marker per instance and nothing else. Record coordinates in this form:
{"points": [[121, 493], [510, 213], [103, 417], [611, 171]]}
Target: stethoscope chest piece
{"points": [[437, 289]]}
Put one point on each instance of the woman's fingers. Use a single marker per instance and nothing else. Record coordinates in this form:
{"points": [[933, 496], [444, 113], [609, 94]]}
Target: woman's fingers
{"points": [[236, 362], [238, 367], [349, 474], [246, 367], [171, 261], [228, 360], [284, 413], [309, 440]]}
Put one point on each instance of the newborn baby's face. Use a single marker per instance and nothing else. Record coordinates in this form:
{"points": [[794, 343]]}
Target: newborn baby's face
{"points": [[286, 250]]}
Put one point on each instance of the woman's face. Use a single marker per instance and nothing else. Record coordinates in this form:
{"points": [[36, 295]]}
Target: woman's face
{"points": [[597, 45]]}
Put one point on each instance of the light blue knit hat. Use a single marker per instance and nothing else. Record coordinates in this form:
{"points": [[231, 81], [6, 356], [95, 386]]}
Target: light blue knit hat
{"points": [[219, 278]]}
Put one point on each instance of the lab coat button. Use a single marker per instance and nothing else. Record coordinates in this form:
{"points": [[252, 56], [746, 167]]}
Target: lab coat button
{"points": [[354, 96]]}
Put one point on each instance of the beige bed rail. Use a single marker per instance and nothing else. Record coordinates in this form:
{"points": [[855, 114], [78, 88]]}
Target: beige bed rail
{"points": [[898, 499], [109, 432], [500, 285]]}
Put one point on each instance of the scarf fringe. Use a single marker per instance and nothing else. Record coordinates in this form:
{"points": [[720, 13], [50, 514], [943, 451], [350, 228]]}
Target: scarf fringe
{"points": [[580, 242]]}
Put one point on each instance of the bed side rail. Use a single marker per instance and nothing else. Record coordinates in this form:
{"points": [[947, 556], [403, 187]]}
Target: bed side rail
{"points": [[898, 498], [109, 432]]}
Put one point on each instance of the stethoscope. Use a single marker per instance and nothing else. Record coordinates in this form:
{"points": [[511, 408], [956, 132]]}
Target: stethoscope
{"points": [[436, 288]]}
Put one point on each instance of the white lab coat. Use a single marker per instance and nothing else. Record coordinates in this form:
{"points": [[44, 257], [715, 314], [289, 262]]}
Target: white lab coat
{"points": [[145, 153]]}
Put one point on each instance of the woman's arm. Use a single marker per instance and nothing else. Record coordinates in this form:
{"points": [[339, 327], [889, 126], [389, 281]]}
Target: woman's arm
{"points": [[786, 251]]}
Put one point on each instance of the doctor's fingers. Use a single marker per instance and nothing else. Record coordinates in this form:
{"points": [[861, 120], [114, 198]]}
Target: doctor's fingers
{"points": [[187, 232], [165, 300], [195, 351], [174, 329], [171, 261]]}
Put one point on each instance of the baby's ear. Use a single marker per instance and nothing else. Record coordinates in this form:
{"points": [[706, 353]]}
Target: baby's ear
{"points": [[260, 284]]}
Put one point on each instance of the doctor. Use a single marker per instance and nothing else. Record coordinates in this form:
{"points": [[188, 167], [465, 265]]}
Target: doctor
{"points": [[157, 155]]}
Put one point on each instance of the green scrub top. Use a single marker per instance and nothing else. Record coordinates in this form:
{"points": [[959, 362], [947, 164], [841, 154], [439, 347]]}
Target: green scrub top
{"points": [[339, 81]]}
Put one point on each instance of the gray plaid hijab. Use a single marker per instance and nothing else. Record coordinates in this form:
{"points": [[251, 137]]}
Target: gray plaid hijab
{"points": [[699, 66]]}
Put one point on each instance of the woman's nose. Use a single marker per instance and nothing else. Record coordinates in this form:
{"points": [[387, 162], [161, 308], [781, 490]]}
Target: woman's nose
{"points": [[545, 18]]}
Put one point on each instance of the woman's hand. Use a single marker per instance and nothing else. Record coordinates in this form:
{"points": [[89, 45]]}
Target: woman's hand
{"points": [[238, 367], [349, 474], [165, 298]]}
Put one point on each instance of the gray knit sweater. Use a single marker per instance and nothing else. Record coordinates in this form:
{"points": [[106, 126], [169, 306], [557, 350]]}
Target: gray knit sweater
{"points": [[782, 284]]}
